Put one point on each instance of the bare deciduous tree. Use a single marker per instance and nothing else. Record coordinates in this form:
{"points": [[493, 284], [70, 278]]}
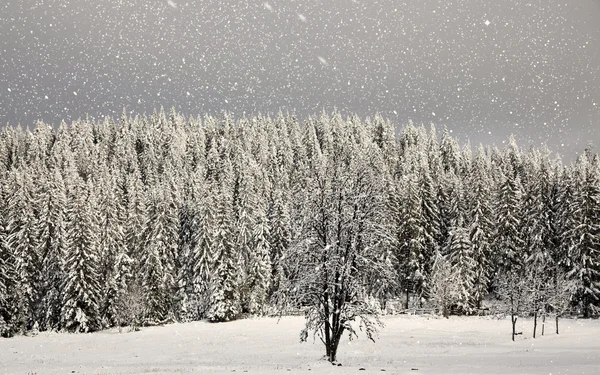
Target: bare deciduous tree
{"points": [[512, 289], [340, 257]]}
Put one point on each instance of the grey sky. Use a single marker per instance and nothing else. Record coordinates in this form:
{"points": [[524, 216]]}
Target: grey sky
{"points": [[485, 69]]}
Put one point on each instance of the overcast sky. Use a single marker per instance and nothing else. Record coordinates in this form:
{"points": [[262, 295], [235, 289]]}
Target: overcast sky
{"points": [[485, 69]]}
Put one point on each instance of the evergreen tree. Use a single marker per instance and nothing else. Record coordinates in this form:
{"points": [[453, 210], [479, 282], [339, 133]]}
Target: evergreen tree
{"points": [[260, 265], [161, 238], [584, 254], [22, 241], [509, 244], [431, 223], [481, 228], [7, 280], [81, 285], [460, 255], [111, 246], [51, 227], [224, 294], [410, 239]]}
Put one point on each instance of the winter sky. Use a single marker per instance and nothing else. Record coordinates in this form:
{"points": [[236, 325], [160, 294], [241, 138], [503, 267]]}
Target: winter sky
{"points": [[485, 69]]}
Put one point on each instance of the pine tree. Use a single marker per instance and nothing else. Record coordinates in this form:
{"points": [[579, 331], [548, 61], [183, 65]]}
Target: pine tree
{"points": [[460, 255], [111, 246], [191, 277], [135, 220], [22, 241], [51, 227], [161, 239], [224, 295], [410, 239], [203, 261], [509, 244], [81, 286], [7, 279], [431, 223], [481, 227], [449, 152], [584, 253], [260, 265]]}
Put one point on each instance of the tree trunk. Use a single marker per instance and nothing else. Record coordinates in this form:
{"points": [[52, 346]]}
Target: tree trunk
{"points": [[407, 297], [557, 324], [513, 318], [534, 323], [543, 323], [331, 352], [334, 345]]}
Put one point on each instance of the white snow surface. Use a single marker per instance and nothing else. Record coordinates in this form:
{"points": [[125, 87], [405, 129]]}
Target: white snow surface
{"points": [[407, 345]]}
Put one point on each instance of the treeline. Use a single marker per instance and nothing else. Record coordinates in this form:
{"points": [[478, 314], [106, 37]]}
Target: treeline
{"points": [[147, 220]]}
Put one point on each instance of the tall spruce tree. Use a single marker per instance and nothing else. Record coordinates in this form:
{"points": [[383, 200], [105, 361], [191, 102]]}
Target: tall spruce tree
{"points": [[584, 253], [160, 244], [224, 294], [22, 241], [51, 226], [81, 285]]}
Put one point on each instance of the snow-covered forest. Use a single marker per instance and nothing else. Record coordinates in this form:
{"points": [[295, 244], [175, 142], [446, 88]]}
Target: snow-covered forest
{"points": [[152, 219]]}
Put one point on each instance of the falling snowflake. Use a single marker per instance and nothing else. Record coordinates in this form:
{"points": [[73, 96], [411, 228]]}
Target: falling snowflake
{"points": [[268, 6], [487, 22], [323, 61], [172, 4], [301, 17]]}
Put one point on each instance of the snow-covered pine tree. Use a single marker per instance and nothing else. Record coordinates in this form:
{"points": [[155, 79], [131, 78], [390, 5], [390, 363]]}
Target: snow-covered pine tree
{"points": [[51, 202], [22, 243], [278, 200], [7, 279], [535, 212], [191, 281], [111, 245], [244, 203], [410, 239], [509, 243], [259, 274], [135, 218], [81, 285], [444, 201], [224, 301], [384, 137], [203, 259], [188, 223], [584, 253], [481, 226], [431, 223], [449, 152], [460, 255], [161, 238]]}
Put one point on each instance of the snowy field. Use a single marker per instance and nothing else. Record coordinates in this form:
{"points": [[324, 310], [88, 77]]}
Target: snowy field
{"points": [[407, 345]]}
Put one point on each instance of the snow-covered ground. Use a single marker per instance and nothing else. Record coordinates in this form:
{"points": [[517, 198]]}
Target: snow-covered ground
{"points": [[407, 345]]}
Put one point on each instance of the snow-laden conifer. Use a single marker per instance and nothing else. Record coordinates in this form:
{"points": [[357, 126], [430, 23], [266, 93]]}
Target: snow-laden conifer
{"points": [[81, 295]]}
